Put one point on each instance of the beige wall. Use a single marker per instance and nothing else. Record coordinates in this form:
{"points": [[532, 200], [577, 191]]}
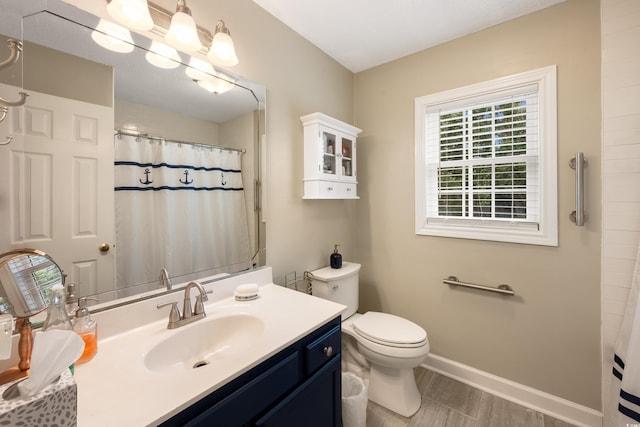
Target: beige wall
{"points": [[548, 335], [162, 123], [47, 71]]}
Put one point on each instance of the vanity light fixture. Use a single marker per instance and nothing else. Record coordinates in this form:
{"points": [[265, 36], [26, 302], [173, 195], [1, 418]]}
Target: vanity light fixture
{"points": [[131, 13], [162, 56], [182, 32], [199, 69], [222, 51], [187, 36], [113, 37]]}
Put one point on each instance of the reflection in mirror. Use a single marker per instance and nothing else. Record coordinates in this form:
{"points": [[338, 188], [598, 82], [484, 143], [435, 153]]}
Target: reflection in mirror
{"points": [[60, 196], [26, 279]]}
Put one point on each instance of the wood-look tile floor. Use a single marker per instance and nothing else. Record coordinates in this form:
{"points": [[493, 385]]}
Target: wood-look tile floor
{"points": [[450, 403]]}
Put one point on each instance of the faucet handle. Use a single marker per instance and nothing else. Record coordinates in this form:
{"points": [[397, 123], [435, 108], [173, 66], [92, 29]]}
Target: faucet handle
{"points": [[199, 308], [174, 314]]}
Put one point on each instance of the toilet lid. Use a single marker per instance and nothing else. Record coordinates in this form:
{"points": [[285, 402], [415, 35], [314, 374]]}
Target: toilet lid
{"points": [[388, 329]]}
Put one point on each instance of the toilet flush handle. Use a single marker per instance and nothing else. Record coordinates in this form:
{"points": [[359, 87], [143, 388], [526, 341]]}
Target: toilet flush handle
{"points": [[335, 288]]}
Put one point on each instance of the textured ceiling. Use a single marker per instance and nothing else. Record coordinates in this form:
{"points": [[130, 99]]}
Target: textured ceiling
{"points": [[362, 34]]}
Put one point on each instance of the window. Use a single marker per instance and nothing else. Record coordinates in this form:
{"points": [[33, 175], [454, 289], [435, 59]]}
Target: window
{"points": [[486, 160], [34, 277]]}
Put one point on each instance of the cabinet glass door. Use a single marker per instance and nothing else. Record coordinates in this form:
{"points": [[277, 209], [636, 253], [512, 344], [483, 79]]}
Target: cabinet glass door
{"points": [[347, 157], [328, 153]]}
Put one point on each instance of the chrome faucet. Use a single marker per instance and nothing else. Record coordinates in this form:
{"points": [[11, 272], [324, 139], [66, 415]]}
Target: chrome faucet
{"points": [[188, 316], [164, 279]]}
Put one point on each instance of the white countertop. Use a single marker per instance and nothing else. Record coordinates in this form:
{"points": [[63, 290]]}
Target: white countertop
{"points": [[116, 388]]}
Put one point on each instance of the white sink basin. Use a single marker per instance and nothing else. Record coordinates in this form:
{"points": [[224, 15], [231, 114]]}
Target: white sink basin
{"points": [[204, 341]]}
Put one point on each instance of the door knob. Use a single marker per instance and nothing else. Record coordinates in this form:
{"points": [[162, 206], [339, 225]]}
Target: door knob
{"points": [[104, 247]]}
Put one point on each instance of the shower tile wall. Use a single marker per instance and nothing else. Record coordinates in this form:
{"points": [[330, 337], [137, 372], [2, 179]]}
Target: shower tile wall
{"points": [[621, 165]]}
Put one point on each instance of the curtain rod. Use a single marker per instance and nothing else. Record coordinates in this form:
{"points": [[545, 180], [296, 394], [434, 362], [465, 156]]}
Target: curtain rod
{"points": [[160, 138]]}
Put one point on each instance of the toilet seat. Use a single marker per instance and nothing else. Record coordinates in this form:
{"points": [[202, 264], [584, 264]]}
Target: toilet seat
{"points": [[389, 330]]}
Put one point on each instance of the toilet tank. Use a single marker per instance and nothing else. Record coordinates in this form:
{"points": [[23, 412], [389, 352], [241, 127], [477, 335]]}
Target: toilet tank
{"points": [[338, 285]]}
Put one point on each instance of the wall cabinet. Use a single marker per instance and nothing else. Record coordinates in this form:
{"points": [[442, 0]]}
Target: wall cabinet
{"points": [[329, 158], [299, 386]]}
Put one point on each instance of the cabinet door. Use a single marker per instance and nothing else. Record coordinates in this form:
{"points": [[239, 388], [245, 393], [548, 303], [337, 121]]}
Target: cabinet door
{"points": [[329, 150], [316, 403], [347, 159]]}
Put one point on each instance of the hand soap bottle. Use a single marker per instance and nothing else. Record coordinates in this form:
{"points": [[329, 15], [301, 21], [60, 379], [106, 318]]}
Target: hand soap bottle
{"points": [[336, 258], [87, 328]]}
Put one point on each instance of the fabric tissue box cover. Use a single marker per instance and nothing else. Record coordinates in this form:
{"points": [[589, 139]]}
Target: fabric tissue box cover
{"points": [[56, 405]]}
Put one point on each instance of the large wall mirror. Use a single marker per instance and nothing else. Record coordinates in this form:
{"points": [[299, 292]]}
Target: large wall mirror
{"points": [[118, 168]]}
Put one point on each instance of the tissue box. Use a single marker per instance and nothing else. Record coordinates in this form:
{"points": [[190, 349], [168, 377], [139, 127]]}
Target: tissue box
{"points": [[56, 405]]}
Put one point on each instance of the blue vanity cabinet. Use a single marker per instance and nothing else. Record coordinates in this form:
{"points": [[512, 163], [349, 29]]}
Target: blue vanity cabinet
{"points": [[299, 386]]}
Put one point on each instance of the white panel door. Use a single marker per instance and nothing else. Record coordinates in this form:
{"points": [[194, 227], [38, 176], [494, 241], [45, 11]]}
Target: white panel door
{"points": [[56, 185]]}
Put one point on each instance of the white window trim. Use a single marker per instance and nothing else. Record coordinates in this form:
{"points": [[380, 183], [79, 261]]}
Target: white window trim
{"points": [[546, 233]]}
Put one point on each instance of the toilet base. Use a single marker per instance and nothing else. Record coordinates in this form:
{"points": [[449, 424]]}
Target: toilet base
{"points": [[395, 389]]}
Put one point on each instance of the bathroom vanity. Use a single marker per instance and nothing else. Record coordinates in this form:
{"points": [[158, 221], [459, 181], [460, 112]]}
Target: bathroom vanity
{"points": [[271, 361], [283, 391]]}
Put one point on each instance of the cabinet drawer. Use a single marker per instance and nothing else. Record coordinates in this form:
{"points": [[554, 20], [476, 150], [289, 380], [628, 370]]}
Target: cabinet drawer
{"points": [[317, 189], [323, 349], [349, 190]]}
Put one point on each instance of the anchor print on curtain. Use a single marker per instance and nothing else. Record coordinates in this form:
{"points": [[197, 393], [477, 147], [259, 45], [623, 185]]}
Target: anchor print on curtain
{"points": [[179, 207]]}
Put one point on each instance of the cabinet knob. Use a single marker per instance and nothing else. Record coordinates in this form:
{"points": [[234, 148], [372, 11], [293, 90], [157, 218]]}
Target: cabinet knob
{"points": [[328, 351]]}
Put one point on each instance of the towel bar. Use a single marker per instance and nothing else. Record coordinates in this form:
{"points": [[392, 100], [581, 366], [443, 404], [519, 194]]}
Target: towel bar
{"points": [[502, 289]]}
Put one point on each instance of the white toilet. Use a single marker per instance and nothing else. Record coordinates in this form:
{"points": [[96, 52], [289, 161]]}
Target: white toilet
{"points": [[391, 345]]}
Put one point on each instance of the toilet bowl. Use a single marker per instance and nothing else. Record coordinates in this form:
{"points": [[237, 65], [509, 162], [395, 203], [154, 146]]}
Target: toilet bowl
{"points": [[390, 345]]}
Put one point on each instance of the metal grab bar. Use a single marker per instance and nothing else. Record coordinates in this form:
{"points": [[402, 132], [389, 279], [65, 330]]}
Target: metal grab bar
{"points": [[578, 163], [502, 289]]}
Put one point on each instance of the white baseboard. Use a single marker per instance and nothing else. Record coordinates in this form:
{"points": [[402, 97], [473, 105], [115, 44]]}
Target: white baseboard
{"points": [[540, 401]]}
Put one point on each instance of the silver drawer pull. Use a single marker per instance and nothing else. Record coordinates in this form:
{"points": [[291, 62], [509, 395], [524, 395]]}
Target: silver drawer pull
{"points": [[328, 351]]}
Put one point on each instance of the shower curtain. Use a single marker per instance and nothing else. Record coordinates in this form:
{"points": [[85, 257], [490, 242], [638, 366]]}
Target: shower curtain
{"points": [[178, 206], [625, 388]]}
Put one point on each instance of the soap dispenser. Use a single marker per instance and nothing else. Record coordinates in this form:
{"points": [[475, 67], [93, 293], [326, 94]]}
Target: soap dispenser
{"points": [[87, 328], [336, 258], [71, 303]]}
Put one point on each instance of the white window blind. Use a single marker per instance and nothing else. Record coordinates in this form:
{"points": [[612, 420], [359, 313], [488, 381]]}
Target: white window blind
{"points": [[485, 158], [34, 275], [483, 161]]}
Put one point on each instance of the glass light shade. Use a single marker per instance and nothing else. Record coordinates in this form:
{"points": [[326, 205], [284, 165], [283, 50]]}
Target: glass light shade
{"points": [[162, 56], [112, 36], [182, 33], [222, 51], [131, 13], [215, 85], [199, 69]]}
